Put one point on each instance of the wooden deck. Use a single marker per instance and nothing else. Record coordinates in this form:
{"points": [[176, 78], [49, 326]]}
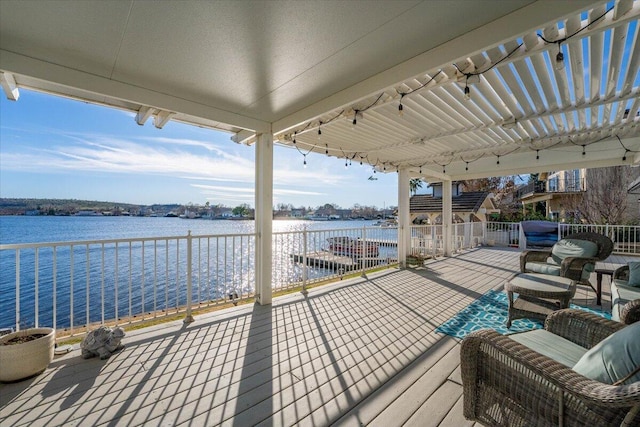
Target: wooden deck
{"points": [[358, 352]]}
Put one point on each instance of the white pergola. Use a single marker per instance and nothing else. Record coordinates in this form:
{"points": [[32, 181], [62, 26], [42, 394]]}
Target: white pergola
{"points": [[285, 71]]}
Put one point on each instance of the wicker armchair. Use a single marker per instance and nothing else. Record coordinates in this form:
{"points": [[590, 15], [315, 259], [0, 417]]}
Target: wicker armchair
{"points": [[507, 384], [628, 309], [571, 267]]}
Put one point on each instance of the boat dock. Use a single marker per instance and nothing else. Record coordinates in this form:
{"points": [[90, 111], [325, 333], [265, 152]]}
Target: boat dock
{"points": [[326, 259], [329, 260], [383, 242]]}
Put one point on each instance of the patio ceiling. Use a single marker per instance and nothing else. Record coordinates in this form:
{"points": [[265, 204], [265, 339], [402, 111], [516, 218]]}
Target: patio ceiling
{"points": [[293, 68]]}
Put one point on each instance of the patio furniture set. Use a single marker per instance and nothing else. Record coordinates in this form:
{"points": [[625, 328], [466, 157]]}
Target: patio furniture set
{"points": [[581, 369]]}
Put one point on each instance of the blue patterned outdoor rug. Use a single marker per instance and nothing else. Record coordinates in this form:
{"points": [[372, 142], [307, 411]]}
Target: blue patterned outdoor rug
{"points": [[490, 312]]}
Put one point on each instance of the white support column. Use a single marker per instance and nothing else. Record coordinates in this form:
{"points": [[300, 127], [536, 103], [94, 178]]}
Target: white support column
{"points": [[264, 216], [447, 216], [404, 217]]}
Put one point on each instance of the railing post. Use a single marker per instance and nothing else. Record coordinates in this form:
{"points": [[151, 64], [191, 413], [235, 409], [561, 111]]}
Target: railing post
{"points": [[455, 237], [363, 258], [189, 317], [484, 233], [17, 289], [522, 239], [304, 260]]}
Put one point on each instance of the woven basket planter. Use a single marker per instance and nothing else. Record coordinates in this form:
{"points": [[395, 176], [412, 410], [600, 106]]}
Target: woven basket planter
{"points": [[23, 360]]}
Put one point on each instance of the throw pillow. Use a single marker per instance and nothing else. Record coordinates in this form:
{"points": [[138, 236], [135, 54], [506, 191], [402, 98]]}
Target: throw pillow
{"points": [[573, 248], [634, 274], [613, 358]]}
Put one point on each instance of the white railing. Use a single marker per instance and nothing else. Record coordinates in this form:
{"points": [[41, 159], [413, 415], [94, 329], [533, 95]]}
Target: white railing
{"points": [[306, 257], [73, 285], [502, 234], [626, 238]]}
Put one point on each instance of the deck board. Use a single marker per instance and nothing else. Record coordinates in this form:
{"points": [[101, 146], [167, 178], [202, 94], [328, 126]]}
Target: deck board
{"points": [[359, 352]]}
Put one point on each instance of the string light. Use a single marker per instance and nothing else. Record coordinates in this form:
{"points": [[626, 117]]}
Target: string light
{"points": [[537, 154], [400, 107], [294, 137], [319, 130], [498, 162], [467, 91], [304, 164], [624, 158], [346, 165], [326, 150], [559, 58], [583, 152], [355, 118], [467, 166]]}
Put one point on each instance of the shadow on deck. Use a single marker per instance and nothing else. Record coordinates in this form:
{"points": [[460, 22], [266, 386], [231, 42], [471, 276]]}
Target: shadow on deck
{"points": [[357, 352]]}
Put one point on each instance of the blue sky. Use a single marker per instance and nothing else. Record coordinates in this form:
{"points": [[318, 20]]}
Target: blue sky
{"points": [[52, 147]]}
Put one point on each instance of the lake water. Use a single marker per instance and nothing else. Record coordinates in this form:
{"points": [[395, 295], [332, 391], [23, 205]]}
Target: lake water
{"points": [[89, 275], [32, 229]]}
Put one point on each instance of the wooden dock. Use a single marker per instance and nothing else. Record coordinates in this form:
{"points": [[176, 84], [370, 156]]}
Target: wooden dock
{"points": [[329, 260], [383, 242]]}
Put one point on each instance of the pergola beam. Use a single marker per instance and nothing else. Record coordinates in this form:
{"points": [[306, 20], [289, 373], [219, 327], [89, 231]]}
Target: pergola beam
{"points": [[9, 86]]}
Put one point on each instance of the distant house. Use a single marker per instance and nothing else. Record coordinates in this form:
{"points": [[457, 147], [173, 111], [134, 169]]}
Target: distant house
{"points": [[472, 206], [297, 213], [561, 191]]}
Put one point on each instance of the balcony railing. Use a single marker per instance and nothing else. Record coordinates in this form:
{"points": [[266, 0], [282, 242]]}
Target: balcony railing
{"points": [[73, 285], [569, 185]]}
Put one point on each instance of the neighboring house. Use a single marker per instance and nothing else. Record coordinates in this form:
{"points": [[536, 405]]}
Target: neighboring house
{"points": [[562, 192], [472, 206], [297, 213], [555, 189]]}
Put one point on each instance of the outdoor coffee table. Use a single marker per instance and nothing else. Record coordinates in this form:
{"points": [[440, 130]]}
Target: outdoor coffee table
{"points": [[538, 295]]}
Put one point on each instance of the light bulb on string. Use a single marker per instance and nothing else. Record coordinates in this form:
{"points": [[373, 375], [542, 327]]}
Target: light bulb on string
{"points": [[624, 158], [537, 154], [294, 137], [326, 150], [559, 65], [346, 163], [355, 119], [467, 166], [319, 130], [401, 107], [304, 164], [498, 162], [467, 90], [584, 153]]}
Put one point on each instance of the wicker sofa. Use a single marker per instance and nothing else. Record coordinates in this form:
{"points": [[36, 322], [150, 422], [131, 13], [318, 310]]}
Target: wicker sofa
{"points": [[573, 257], [625, 299], [515, 382]]}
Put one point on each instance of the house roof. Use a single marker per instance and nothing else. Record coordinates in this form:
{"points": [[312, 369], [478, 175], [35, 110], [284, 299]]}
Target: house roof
{"points": [[465, 202], [297, 68]]}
